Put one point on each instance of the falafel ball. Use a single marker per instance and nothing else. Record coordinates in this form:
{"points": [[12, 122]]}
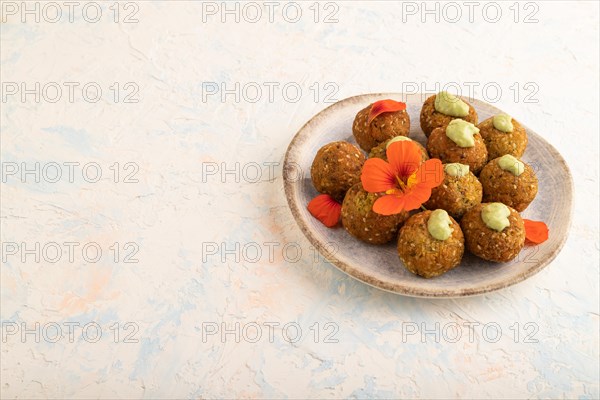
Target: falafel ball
{"points": [[441, 146], [383, 127], [459, 192], [491, 244], [424, 255], [431, 118], [504, 186], [379, 151], [359, 219], [336, 168], [499, 143]]}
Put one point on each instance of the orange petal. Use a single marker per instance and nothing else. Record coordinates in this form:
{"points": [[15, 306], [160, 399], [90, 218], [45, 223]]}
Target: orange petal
{"points": [[404, 157], [535, 231], [382, 106], [389, 204], [430, 173], [325, 209], [416, 196], [377, 176]]}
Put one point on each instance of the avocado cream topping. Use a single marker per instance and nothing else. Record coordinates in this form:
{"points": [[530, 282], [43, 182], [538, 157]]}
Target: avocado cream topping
{"points": [[461, 132], [451, 105], [439, 225], [456, 170], [503, 122], [397, 139], [495, 216], [511, 164]]}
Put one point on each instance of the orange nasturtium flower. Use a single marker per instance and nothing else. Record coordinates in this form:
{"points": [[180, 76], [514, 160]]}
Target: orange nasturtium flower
{"points": [[405, 180], [382, 106]]}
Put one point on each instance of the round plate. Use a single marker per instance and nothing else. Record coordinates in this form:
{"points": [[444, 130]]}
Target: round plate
{"points": [[380, 266]]}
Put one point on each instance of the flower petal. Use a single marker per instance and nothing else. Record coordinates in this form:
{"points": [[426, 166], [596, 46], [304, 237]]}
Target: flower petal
{"points": [[382, 106], [430, 173], [416, 196], [325, 209], [535, 231], [389, 204], [377, 176], [404, 157]]}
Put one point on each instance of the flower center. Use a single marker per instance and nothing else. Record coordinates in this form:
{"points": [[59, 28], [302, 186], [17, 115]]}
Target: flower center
{"points": [[402, 186], [401, 183]]}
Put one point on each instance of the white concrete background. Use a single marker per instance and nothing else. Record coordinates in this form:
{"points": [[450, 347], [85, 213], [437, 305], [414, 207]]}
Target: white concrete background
{"points": [[173, 295]]}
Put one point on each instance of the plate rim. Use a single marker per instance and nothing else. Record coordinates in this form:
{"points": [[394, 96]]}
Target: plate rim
{"points": [[400, 289]]}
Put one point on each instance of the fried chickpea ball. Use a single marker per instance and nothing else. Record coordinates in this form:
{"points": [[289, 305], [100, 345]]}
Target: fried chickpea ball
{"points": [[359, 219], [431, 118], [491, 244], [385, 126], [499, 143], [336, 168], [424, 255], [441, 146], [502, 185], [459, 192]]}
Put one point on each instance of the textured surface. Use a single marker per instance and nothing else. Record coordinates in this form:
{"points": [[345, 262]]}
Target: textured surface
{"points": [[379, 265], [183, 217]]}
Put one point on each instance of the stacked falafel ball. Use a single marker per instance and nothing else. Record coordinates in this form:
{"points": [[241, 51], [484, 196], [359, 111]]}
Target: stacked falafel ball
{"points": [[477, 206]]}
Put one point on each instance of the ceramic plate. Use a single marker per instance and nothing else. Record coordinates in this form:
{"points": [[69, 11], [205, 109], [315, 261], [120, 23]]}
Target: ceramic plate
{"points": [[380, 266]]}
